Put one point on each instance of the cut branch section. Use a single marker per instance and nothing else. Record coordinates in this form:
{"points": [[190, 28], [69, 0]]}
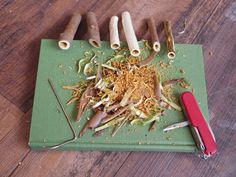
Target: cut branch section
{"points": [[169, 40], [93, 30], [130, 34], [154, 36], [114, 34], [68, 35]]}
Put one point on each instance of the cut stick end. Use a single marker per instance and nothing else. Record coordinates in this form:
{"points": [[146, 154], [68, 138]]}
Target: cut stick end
{"points": [[156, 46], [171, 55], [64, 45], [94, 43], [115, 18], [135, 52], [77, 13], [115, 46], [125, 13]]}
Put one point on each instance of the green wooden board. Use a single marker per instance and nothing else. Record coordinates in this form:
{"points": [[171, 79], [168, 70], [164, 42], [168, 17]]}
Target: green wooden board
{"points": [[49, 126]]}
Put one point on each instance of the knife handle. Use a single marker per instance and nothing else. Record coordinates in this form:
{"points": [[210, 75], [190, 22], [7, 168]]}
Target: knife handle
{"points": [[197, 120]]}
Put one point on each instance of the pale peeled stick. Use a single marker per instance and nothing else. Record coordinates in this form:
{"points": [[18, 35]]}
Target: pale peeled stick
{"points": [[130, 34], [114, 34]]}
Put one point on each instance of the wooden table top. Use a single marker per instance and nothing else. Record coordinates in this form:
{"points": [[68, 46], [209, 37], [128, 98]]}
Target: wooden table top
{"points": [[22, 25]]}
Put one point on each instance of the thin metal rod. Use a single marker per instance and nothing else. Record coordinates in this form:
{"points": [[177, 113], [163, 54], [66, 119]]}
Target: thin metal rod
{"points": [[67, 118], [176, 126]]}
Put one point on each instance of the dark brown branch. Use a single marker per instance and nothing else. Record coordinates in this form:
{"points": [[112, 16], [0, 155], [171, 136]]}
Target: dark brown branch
{"points": [[117, 113], [68, 35], [148, 59], [84, 100], [169, 40], [93, 122], [93, 30], [154, 36]]}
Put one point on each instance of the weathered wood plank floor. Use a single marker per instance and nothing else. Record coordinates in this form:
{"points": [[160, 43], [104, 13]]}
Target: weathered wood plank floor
{"points": [[22, 25]]}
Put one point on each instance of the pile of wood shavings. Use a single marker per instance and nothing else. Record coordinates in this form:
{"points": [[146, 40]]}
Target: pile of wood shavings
{"points": [[122, 91], [137, 79]]}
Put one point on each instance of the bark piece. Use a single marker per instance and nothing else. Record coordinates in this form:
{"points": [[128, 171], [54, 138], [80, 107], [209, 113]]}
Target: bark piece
{"points": [[93, 122], [84, 100], [148, 59], [117, 113], [114, 106]]}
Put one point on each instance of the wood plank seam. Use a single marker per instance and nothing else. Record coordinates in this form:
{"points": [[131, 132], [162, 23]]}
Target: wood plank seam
{"points": [[22, 159], [186, 13], [4, 5], [14, 107], [122, 164], [5, 136], [208, 19], [11, 102], [92, 7], [16, 135]]}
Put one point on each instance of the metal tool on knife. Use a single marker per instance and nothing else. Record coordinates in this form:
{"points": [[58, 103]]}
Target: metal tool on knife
{"points": [[200, 129]]}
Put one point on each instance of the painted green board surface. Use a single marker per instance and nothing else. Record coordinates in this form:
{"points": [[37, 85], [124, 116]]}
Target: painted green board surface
{"points": [[49, 126]]}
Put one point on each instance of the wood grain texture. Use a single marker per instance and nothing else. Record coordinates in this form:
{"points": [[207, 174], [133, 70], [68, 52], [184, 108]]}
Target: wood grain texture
{"points": [[70, 164], [10, 116], [24, 23], [14, 146]]}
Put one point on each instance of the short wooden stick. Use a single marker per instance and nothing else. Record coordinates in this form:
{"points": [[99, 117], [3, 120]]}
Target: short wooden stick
{"points": [[130, 34], [93, 30], [169, 40], [68, 35], [154, 36], [114, 34]]}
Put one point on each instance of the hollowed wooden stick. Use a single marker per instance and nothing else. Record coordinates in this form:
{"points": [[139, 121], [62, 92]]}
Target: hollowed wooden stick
{"points": [[93, 30], [68, 35], [169, 40], [130, 34], [154, 36], [114, 34]]}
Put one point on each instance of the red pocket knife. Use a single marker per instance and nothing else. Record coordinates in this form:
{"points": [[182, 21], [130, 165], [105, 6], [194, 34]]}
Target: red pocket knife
{"points": [[201, 131]]}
